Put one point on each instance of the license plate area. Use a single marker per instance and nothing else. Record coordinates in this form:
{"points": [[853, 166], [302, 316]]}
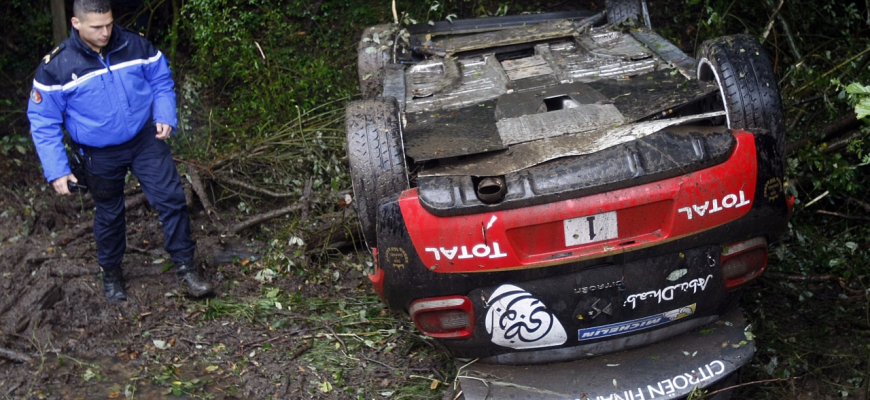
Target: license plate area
{"points": [[591, 229]]}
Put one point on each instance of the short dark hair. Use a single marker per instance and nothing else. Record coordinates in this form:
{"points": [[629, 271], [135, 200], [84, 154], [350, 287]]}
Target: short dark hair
{"points": [[82, 7]]}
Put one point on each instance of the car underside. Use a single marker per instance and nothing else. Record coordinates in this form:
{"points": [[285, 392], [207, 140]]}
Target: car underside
{"points": [[568, 203]]}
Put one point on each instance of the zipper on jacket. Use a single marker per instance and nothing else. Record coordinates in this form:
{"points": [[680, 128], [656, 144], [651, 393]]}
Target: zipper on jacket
{"points": [[108, 62]]}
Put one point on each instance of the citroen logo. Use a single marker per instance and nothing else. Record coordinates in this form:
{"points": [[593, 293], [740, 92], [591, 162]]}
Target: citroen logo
{"points": [[597, 310]]}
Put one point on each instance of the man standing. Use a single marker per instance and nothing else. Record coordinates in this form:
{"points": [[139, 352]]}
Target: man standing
{"points": [[113, 91]]}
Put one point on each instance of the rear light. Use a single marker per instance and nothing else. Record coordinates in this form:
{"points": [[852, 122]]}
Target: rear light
{"points": [[449, 317], [743, 261]]}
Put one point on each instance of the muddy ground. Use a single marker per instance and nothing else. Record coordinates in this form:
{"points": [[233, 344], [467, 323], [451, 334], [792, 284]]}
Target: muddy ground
{"points": [[294, 324], [314, 331]]}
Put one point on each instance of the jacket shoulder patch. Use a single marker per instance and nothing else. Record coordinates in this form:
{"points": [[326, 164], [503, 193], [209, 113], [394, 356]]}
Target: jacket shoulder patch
{"points": [[51, 55]]}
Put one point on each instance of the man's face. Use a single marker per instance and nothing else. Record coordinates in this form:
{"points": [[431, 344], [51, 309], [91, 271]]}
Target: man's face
{"points": [[94, 29]]}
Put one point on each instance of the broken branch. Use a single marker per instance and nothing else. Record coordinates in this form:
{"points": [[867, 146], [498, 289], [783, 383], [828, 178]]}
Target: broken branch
{"points": [[199, 189], [257, 219], [836, 214], [245, 185]]}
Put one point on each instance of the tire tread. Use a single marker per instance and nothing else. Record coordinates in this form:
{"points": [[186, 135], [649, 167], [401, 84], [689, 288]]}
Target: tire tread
{"points": [[376, 157]]}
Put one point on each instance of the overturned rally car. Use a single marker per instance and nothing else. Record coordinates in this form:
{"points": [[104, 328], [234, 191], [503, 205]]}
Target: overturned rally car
{"points": [[567, 202]]}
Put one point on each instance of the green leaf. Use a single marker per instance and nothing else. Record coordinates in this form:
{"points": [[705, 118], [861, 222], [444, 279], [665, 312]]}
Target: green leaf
{"points": [[273, 293], [857, 88], [863, 108]]}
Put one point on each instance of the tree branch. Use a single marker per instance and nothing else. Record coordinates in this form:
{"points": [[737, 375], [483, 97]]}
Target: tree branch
{"points": [[829, 132], [199, 189], [260, 218], [245, 185], [836, 214]]}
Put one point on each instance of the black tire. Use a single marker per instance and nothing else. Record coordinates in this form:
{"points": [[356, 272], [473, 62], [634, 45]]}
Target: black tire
{"points": [[371, 60], [750, 95], [376, 156], [624, 10]]}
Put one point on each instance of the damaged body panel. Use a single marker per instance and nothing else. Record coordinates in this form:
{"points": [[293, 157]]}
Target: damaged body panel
{"points": [[572, 198]]}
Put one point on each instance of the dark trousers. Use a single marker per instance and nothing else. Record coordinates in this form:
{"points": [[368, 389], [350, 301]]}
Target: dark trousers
{"points": [[151, 162]]}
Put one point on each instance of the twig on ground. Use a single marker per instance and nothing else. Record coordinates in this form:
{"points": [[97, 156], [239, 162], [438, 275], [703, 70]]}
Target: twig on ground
{"points": [[15, 356], [343, 345], [245, 185], [260, 218], [377, 362], [836, 214], [300, 351]]}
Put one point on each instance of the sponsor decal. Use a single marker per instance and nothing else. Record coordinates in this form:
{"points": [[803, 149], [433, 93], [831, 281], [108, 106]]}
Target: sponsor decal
{"points": [[600, 286], [667, 387], [772, 189], [35, 96], [729, 201], [518, 320], [481, 250], [397, 257], [636, 324], [667, 294]]}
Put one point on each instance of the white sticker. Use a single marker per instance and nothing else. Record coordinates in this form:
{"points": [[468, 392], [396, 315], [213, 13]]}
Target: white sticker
{"points": [[591, 229], [518, 320], [667, 294]]}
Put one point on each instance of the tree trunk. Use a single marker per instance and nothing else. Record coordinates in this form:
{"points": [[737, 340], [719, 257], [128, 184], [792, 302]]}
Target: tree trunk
{"points": [[58, 21]]}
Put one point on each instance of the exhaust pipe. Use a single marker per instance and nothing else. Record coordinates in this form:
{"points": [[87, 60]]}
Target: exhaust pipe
{"points": [[491, 190]]}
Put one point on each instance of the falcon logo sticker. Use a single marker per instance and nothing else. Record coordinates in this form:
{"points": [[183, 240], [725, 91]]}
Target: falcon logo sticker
{"points": [[518, 320], [35, 96]]}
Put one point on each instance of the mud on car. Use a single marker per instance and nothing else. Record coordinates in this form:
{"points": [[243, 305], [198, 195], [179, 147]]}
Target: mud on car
{"points": [[567, 202]]}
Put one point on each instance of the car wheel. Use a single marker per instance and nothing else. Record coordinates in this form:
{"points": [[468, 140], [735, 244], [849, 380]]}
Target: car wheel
{"points": [[376, 156], [623, 10], [371, 59], [744, 73]]}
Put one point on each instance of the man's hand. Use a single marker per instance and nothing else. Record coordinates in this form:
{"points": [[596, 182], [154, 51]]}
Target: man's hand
{"points": [[163, 131], [60, 185]]}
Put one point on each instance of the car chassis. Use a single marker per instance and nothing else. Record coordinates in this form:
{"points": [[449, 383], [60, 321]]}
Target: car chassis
{"points": [[567, 202]]}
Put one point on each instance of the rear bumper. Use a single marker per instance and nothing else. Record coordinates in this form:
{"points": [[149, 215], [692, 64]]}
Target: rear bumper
{"points": [[666, 370], [679, 223]]}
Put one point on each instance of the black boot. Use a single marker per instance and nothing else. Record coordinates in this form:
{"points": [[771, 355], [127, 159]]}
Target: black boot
{"points": [[113, 285], [193, 282]]}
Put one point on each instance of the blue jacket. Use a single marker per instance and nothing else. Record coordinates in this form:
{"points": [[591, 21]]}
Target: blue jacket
{"points": [[101, 102]]}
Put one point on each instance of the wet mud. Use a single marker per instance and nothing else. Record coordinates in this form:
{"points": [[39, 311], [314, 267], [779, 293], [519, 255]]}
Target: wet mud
{"points": [[59, 338]]}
